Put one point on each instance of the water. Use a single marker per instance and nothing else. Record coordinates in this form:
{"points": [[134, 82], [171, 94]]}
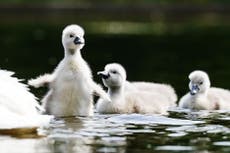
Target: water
{"points": [[193, 132]]}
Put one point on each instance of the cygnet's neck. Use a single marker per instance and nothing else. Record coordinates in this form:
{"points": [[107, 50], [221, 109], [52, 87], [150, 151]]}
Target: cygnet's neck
{"points": [[72, 53], [116, 91], [200, 95]]}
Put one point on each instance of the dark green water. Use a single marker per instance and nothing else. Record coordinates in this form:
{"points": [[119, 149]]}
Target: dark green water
{"points": [[30, 49]]}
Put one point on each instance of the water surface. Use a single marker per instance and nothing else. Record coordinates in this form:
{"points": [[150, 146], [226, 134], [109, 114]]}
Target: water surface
{"points": [[181, 131]]}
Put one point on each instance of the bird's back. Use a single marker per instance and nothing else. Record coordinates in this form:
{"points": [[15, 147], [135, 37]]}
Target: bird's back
{"points": [[18, 107], [162, 89], [15, 95], [222, 96]]}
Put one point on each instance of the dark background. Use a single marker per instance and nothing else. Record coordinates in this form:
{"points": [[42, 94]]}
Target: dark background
{"points": [[160, 41]]}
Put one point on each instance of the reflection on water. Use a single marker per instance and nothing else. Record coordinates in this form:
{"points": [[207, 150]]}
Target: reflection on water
{"points": [[129, 133], [149, 119]]}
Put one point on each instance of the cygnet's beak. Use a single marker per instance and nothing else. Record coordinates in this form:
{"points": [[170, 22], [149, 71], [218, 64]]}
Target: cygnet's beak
{"points": [[78, 41], [103, 74], [194, 90]]}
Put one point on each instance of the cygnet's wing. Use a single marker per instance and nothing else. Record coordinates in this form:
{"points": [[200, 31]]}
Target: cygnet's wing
{"points": [[162, 89], [15, 96], [222, 95], [98, 91], [43, 80], [147, 102]]}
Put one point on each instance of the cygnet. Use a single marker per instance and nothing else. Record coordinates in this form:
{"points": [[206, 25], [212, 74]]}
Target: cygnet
{"points": [[71, 86], [18, 107], [202, 96], [137, 97]]}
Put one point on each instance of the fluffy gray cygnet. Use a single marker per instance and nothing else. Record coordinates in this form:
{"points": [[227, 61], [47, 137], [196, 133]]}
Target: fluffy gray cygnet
{"points": [[133, 97], [202, 96], [71, 86]]}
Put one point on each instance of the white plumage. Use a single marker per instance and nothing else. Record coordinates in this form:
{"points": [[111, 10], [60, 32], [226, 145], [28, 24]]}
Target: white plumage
{"points": [[136, 97], [71, 84], [18, 107], [204, 97]]}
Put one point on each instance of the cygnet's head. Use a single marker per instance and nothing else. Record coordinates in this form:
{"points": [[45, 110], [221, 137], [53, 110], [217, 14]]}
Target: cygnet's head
{"points": [[113, 76], [199, 82], [73, 38]]}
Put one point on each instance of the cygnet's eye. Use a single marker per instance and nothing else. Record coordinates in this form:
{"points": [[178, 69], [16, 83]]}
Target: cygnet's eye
{"points": [[114, 72], [200, 83], [71, 35]]}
